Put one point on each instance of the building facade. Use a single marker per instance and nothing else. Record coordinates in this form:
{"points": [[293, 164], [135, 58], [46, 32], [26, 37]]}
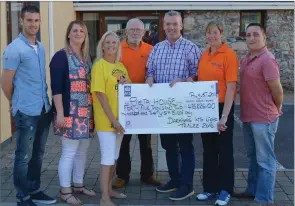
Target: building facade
{"points": [[277, 17]]}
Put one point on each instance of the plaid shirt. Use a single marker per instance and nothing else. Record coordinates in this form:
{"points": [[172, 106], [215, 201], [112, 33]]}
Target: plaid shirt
{"points": [[167, 62]]}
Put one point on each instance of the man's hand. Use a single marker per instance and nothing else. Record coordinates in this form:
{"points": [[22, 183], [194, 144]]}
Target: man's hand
{"points": [[150, 81], [190, 79], [280, 110], [176, 80]]}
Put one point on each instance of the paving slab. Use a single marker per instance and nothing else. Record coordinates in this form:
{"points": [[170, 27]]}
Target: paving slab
{"points": [[138, 194]]}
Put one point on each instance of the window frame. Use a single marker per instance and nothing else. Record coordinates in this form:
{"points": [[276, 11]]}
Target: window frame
{"points": [[262, 19], [9, 24]]}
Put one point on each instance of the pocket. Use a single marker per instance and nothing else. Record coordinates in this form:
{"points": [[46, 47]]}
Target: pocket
{"points": [[20, 119], [19, 114], [23, 120], [274, 126]]}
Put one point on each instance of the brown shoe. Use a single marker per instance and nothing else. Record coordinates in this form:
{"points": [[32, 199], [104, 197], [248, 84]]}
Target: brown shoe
{"points": [[243, 195], [152, 181], [118, 183]]}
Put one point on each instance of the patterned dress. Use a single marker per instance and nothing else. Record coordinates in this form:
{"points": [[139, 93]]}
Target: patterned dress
{"points": [[79, 123]]}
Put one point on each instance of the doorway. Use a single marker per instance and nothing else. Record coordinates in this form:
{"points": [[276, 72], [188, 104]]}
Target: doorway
{"points": [[102, 21]]}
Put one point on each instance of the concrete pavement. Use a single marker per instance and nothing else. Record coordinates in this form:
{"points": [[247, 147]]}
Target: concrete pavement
{"points": [[138, 194]]}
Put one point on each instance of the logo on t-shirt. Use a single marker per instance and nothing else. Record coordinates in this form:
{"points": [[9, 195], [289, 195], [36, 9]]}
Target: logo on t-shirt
{"points": [[216, 64], [118, 74]]}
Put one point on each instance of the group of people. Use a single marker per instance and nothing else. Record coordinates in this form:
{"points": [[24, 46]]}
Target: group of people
{"points": [[85, 99]]}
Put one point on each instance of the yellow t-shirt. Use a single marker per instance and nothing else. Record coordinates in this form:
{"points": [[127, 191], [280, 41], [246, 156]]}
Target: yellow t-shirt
{"points": [[104, 78]]}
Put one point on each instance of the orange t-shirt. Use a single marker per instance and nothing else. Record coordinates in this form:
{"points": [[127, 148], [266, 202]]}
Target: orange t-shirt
{"points": [[135, 60], [222, 66]]}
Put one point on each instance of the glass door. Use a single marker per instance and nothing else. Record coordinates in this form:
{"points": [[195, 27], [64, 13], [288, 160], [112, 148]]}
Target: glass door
{"points": [[151, 27], [116, 24]]}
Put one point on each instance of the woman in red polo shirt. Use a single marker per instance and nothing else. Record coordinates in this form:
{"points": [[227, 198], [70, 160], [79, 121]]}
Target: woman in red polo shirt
{"points": [[219, 63]]}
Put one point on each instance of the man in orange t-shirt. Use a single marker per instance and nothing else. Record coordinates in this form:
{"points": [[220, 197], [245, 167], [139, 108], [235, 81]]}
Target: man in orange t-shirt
{"points": [[134, 57]]}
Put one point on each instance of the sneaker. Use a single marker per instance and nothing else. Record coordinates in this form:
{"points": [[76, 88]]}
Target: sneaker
{"points": [[118, 183], [206, 196], [27, 202], [182, 193], [42, 198], [168, 187], [223, 199], [152, 181]]}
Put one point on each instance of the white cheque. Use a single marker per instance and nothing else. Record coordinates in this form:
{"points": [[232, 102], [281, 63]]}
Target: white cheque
{"points": [[185, 108]]}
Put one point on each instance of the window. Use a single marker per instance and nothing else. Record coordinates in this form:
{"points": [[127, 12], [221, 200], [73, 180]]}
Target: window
{"points": [[116, 24], [13, 10], [92, 22], [247, 17]]}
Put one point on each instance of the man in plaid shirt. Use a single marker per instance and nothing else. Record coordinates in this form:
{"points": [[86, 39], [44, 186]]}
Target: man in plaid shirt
{"points": [[175, 60]]}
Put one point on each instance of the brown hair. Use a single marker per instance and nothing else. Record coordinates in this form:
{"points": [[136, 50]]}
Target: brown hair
{"points": [[85, 45], [259, 25], [218, 24], [29, 9]]}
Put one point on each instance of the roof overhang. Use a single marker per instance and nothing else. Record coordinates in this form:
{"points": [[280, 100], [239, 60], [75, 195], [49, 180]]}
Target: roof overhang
{"points": [[196, 5]]}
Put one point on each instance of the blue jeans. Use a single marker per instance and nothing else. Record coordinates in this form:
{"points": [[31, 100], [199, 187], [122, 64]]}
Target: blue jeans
{"points": [[176, 146], [31, 136], [259, 141]]}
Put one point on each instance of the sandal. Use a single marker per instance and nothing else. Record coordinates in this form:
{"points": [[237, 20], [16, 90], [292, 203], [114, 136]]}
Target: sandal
{"points": [[84, 191], [118, 196], [66, 200], [106, 203]]}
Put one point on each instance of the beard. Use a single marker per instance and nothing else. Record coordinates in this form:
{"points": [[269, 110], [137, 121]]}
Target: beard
{"points": [[134, 41]]}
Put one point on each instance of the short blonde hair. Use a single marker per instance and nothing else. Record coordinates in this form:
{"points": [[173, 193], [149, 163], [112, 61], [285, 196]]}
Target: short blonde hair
{"points": [[85, 45], [217, 24], [99, 50]]}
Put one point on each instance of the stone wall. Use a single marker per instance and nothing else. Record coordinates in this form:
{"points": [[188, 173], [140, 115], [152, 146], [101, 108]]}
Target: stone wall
{"points": [[280, 41], [280, 36]]}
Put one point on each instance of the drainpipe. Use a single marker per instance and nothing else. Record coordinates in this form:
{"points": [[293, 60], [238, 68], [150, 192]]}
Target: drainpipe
{"points": [[51, 39]]}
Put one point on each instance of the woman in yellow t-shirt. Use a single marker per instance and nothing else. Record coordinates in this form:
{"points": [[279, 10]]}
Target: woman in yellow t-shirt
{"points": [[106, 73]]}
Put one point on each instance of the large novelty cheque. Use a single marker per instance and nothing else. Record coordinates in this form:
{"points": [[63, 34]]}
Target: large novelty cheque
{"points": [[185, 108]]}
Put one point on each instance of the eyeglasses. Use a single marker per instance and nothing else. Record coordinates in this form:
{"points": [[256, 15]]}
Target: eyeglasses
{"points": [[135, 30]]}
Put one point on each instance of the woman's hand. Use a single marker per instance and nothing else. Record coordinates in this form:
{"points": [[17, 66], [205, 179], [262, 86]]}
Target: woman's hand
{"points": [[118, 127], [123, 80], [221, 125], [60, 120]]}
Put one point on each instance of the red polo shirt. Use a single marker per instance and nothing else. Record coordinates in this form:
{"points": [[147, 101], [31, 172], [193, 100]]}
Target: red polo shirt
{"points": [[257, 104]]}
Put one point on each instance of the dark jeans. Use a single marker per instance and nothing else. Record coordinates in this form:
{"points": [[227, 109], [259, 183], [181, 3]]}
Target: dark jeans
{"points": [[31, 136], [218, 159], [179, 146], [124, 163]]}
